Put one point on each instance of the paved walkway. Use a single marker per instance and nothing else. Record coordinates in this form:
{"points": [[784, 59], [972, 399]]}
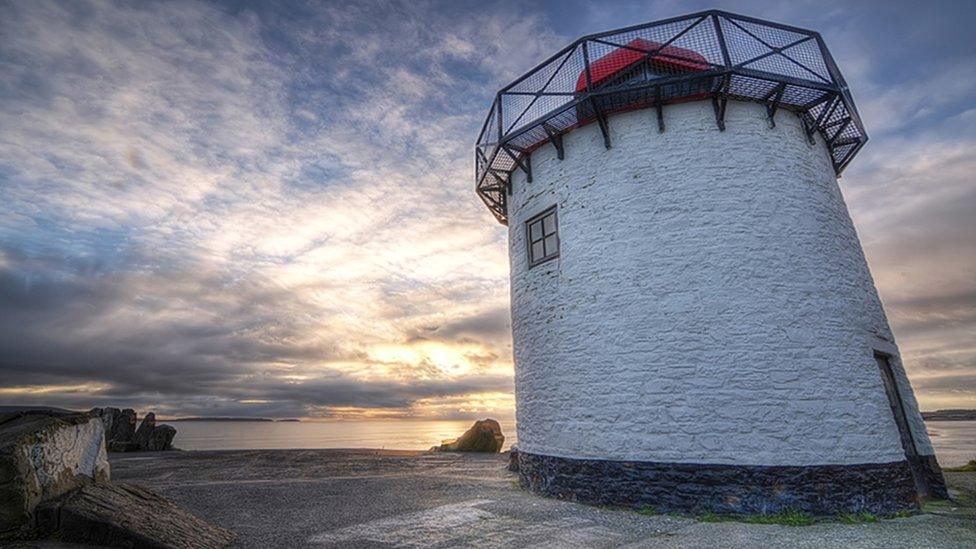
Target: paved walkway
{"points": [[339, 498]]}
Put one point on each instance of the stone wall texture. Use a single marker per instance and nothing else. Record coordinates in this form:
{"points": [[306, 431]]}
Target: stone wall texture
{"points": [[878, 488], [711, 302]]}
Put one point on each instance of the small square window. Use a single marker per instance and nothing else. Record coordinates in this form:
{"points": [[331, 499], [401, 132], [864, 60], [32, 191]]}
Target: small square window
{"points": [[542, 238]]}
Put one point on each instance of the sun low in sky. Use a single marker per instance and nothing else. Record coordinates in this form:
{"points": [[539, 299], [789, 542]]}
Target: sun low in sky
{"points": [[266, 209]]}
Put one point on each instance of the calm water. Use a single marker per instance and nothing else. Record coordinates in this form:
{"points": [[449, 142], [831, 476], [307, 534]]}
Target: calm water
{"points": [[389, 435], [955, 441]]}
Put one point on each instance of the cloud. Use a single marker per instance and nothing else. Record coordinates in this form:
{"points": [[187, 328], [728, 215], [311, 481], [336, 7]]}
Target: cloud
{"points": [[248, 205], [268, 209], [492, 323]]}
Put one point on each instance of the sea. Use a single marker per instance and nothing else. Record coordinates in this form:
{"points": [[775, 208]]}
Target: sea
{"points": [[954, 441], [267, 435]]}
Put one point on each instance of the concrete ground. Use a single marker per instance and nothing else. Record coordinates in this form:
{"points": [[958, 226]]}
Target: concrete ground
{"points": [[358, 498]]}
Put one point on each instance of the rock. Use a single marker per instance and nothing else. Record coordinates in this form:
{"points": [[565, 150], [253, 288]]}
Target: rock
{"points": [[44, 454], [120, 425], [122, 435], [151, 437], [513, 463], [107, 417], [484, 436], [161, 438], [119, 446], [125, 425], [125, 515], [141, 438]]}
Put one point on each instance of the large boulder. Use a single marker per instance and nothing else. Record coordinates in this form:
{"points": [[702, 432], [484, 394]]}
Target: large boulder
{"points": [[151, 437], [141, 438], [124, 515], [44, 454], [484, 436], [161, 438]]}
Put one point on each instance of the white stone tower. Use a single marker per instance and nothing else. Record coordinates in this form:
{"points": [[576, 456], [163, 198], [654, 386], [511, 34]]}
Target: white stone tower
{"points": [[695, 326]]}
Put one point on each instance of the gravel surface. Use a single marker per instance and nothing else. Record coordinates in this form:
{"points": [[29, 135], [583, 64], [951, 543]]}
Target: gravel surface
{"points": [[361, 498]]}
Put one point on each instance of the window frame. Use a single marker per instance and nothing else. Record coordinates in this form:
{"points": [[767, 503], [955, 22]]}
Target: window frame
{"points": [[540, 218]]}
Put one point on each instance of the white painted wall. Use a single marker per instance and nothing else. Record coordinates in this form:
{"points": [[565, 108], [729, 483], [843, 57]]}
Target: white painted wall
{"points": [[711, 304]]}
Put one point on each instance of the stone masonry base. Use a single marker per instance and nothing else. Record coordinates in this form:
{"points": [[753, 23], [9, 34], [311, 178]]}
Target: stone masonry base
{"points": [[878, 488]]}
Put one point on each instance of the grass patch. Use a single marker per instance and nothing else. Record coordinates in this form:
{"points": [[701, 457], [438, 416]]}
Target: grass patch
{"points": [[790, 517], [857, 518], [967, 468]]}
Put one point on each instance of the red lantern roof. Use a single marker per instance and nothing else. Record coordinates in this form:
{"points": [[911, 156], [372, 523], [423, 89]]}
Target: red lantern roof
{"points": [[621, 59]]}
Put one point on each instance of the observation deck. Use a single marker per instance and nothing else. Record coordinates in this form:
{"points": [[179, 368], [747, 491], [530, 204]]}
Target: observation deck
{"points": [[712, 55]]}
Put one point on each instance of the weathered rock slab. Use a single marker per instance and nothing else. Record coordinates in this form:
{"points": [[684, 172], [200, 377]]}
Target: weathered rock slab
{"points": [[126, 515], [43, 455]]}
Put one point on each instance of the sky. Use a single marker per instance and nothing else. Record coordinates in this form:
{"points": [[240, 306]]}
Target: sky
{"points": [[267, 209]]}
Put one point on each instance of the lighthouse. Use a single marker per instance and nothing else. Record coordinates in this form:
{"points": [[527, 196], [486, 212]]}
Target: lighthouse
{"points": [[695, 327]]}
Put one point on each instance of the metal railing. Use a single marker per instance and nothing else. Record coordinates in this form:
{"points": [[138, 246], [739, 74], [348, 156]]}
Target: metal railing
{"points": [[708, 55]]}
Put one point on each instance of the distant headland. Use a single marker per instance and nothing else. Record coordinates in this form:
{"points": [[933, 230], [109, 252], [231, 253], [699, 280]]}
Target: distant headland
{"points": [[233, 419], [950, 415]]}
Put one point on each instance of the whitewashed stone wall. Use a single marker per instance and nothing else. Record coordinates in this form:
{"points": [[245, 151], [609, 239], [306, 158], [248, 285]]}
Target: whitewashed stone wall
{"points": [[711, 303]]}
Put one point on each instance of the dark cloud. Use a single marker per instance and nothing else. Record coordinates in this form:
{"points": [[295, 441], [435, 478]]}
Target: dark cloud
{"points": [[493, 324]]}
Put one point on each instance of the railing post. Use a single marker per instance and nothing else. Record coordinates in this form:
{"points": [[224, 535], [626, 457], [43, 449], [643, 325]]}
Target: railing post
{"points": [[600, 119], [498, 99], [720, 99], [721, 42], [586, 66]]}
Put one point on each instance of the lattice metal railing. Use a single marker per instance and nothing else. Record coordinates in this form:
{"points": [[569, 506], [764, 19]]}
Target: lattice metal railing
{"points": [[712, 54]]}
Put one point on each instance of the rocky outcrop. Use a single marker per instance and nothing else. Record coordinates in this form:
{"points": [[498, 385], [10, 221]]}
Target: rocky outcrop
{"points": [[484, 436], [122, 435], [54, 481], [141, 438], [44, 454], [124, 515], [120, 427], [950, 415], [153, 438], [161, 438]]}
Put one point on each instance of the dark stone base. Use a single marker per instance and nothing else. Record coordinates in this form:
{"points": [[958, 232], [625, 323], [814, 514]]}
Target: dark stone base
{"points": [[879, 488]]}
